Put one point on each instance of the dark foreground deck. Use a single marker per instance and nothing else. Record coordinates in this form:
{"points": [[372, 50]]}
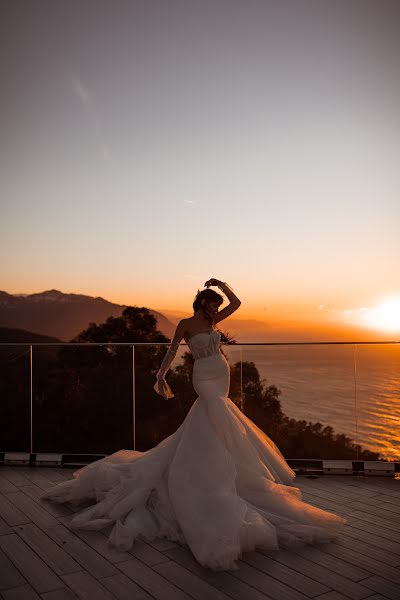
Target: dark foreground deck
{"points": [[40, 557]]}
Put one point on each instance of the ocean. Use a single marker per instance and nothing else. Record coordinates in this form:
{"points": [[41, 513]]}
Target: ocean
{"points": [[356, 390]]}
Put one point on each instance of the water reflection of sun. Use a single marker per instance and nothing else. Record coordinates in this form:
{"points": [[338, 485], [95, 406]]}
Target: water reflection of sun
{"points": [[385, 317]]}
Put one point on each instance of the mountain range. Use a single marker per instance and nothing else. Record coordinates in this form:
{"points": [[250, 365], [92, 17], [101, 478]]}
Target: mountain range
{"points": [[58, 315]]}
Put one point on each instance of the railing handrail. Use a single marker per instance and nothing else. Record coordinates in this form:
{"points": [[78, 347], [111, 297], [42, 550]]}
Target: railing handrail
{"points": [[185, 344]]}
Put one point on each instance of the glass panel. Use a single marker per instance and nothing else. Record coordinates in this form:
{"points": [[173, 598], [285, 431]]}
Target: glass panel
{"points": [[302, 396], [378, 398], [82, 399], [15, 398], [156, 417]]}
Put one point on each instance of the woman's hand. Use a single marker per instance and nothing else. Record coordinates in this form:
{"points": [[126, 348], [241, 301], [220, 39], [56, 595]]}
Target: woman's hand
{"points": [[162, 388], [212, 281]]}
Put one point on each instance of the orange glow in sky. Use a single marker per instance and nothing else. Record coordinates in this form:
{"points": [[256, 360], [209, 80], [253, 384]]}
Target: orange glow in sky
{"points": [[385, 317]]}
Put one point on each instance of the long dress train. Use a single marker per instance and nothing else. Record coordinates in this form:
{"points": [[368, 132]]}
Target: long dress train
{"points": [[218, 484]]}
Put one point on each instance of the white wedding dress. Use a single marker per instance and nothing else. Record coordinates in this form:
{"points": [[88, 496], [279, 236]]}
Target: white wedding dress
{"points": [[218, 484]]}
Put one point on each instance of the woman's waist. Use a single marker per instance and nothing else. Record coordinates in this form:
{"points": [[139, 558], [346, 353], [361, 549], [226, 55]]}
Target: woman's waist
{"points": [[215, 355], [210, 367]]}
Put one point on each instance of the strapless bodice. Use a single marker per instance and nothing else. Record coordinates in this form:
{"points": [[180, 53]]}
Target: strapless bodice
{"points": [[205, 343]]}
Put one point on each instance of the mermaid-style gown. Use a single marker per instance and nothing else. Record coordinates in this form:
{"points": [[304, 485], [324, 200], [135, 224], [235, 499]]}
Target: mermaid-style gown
{"points": [[218, 484]]}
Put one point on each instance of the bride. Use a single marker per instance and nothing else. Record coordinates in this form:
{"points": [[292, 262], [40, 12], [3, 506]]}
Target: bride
{"points": [[218, 485]]}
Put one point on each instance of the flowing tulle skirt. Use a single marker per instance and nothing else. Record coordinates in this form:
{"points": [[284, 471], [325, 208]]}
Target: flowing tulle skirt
{"points": [[219, 485]]}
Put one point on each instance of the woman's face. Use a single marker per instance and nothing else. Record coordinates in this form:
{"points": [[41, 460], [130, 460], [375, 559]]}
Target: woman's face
{"points": [[213, 308]]}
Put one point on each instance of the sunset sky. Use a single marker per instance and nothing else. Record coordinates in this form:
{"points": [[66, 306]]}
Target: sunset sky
{"points": [[147, 146]]}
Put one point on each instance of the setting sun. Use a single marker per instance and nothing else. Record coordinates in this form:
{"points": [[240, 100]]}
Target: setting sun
{"points": [[385, 317]]}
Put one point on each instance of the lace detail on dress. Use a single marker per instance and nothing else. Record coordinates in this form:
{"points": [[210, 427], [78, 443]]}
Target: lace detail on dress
{"points": [[202, 347]]}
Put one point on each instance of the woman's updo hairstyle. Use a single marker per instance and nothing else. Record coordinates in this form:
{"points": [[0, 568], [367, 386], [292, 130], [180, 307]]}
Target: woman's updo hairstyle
{"points": [[209, 296]]}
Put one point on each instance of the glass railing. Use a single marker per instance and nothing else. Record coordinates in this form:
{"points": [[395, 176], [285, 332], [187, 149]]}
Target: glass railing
{"points": [[315, 400]]}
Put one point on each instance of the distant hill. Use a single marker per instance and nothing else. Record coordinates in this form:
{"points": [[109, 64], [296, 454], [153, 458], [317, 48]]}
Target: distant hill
{"points": [[20, 336], [55, 314]]}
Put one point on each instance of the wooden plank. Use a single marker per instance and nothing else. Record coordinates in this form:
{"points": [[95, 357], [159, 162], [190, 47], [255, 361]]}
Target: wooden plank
{"points": [[373, 486], [370, 527], [11, 514], [376, 519], [98, 541], [52, 474], [147, 554], [35, 512], [319, 573], [50, 552], [322, 492], [373, 539], [266, 584], [393, 503], [343, 490], [156, 585], [7, 486], [62, 594], [124, 588], [35, 571], [87, 587], [329, 505], [360, 485], [291, 577], [367, 549], [332, 506], [393, 517], [14, 475], [4, 528], [376, 597], [383, 586], [347, 484], [10, 577], [373, 564], [222, 580], [162, 544], [35, 475], [190, 583], [334, 596], [358, 520], [392, 481], [370, 500], [23, 592], [88, 558], [66, 472], [334, 563], [53, 508]]}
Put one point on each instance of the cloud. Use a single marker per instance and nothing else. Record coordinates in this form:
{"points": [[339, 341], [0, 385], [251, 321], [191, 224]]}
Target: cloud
{"points": [[322, 307], [81, 91]]}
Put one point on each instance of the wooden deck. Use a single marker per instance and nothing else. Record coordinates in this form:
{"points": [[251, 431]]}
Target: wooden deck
{"points": [[40, 557]]}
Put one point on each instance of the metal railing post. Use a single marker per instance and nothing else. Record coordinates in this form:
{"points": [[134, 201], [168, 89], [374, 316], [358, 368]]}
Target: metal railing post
{"points": [[133, 398], [241, 380], [355, 395], [31, 415]]}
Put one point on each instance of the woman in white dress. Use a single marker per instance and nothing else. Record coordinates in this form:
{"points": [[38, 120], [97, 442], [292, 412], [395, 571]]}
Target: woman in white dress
{"points": [[218, 485]]}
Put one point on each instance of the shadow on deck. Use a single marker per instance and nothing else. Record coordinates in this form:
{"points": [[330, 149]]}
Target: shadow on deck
{"points": [[41, 558]]}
